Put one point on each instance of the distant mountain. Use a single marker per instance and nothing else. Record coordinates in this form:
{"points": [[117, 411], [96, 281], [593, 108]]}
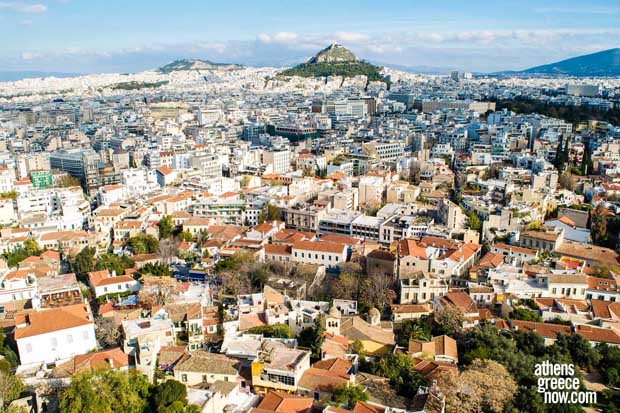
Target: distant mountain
{"points": [[332, 54], [197, 64], [605, 63], [19, 75], [425, 70], [335, 60]]}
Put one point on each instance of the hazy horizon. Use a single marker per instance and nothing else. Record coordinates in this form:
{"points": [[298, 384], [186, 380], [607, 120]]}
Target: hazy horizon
{"points": [[87, 37]]}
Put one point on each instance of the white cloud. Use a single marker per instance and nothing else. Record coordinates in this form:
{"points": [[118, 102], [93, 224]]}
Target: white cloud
{"points": [[345, 37], [32, 55], [479, 50], [24, 7]]}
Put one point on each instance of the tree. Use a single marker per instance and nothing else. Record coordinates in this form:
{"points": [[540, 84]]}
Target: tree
{"points": [[166, 227], [449, 320], [10, 388], [168, 397], [106, 332], [113, 262], [473, 221], [578, 349], [609, 364], [525, 314], [158, 269], [7, 352], [258, 274], [28, 249], [484, 386], [272, 331], [105, 391], [68, 181], [84, 262], [186, 236], [420, 329], [235, 283], [143, 244], [378, 290], [398, 368], [168, 248], [348, 283], [349, 395], [270, 213], [313, 338], [566, 181], [598, 225]]}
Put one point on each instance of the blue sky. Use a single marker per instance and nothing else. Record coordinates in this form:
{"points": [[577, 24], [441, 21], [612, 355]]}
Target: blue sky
{"points": [[90, 36]]}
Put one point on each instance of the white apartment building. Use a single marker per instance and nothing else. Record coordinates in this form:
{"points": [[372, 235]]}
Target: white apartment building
{"points": [[278, 162], [55, 335], [329, 254]]}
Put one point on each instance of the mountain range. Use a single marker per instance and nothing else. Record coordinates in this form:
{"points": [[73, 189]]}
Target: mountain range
{"points": [[31, 74], [197, 64], [603, 63], [338, 60]]}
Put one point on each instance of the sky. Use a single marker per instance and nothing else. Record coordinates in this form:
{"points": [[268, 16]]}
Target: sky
{"points": [[99, 36]]}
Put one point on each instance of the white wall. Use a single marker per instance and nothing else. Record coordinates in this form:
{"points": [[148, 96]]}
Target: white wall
{"points": [[57, 345]]}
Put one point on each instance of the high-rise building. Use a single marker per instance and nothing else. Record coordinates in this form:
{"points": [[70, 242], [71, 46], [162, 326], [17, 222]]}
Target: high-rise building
{"points": [[83, 164], [582, 90]]}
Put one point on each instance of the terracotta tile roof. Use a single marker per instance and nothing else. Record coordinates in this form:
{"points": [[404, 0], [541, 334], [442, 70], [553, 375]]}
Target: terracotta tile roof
{"points": [[320, 246], [431, 368], [170, 355], [114, 358], [61, 318], [589, 252], [355, 328], [276, 249], [566, 220], [411, 308], [63, 235], [341, 239], [597, 334], [263, 228], [461, 300], [50, 255], [280, 402], [491, 260], [546, 330], [568, 279], [247, 321], [209, 363], [365, 407], [314, 379], [144, 257], [514, 248], [411, 248], [602, 284], [380, 254], [101, 278], [17, 275], [164, 170]]}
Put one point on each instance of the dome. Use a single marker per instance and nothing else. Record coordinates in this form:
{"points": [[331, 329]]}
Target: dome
{"points": [[373, 312]]}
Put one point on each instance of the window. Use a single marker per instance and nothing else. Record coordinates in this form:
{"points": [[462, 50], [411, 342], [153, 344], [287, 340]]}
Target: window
{"points": [[184, 378], [54, 342], [69, 339], [28, 348], [85, 335]]}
